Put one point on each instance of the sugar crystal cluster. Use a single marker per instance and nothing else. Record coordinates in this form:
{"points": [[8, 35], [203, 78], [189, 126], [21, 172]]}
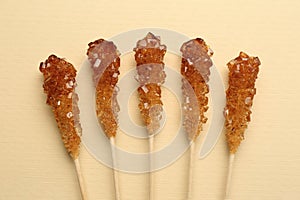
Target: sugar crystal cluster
{"points": [[243, 72], [59, 85], [105, 62], [149, 55], [195, 69]]}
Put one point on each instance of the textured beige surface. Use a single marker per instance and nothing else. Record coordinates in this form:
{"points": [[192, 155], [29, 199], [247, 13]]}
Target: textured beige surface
{"points": [[34, 164]]}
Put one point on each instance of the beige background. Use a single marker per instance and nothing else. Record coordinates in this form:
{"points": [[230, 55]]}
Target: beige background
{"points": [[34, 164]]}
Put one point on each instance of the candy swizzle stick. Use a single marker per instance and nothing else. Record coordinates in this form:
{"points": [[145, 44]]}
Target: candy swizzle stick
{"points": [[105, 62], [149, 55], [59, 85], [195, 70], [243, 72]]}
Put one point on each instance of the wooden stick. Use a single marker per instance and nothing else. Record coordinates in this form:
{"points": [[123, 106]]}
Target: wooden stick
{"points": [[191, 169], [229, 175], [151, 175], [115, 172], [80, 179]]}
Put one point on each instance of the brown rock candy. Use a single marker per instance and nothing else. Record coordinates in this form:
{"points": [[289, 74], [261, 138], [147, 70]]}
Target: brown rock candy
{"points": [[59, 85], [149, 55], [243, 72], [195, 71], [105, 62]]}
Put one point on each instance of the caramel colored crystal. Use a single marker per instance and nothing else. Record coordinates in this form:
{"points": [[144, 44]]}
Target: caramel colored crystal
{"points": [[195, 71], [59, 85], [243, 72], [149, 55], [105, 62]]}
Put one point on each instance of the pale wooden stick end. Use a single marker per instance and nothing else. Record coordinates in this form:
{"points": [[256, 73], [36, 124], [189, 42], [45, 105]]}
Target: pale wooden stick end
{"points": [[151, 175], [229, 175], [80, 179], [115, 173], [190, 170]]}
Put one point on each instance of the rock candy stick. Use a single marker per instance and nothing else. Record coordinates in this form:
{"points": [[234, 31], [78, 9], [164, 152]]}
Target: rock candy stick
{"points": [[149, 55], [243, 72], [195, 69], [59, 85], [105, 62]]}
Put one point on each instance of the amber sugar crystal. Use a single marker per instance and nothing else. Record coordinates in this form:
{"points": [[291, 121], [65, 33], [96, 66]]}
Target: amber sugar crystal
{"points": [[195, 70], [59, 85], [149, 55], [105, 62], [243, 72]]}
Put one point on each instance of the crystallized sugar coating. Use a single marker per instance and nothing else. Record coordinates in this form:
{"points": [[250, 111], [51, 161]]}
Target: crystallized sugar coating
{"points": [[149, 55], [105, 62], [59, 85], [195, 70], [243, 72]]}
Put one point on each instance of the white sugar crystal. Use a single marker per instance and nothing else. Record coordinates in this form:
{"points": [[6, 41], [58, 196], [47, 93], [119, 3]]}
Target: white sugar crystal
{"points": [[248, 100], [231, 62], [115, 75], [145, 89], [95, 55], [70, 84], [187, 99], [58, 103], [210, 51], [151, 40], [190, 43], [185, 69], [143, 43], [117, 89], [43, 65], [189, 61], [70, 95], [226, 112], [199, 59], [97, 63], [69, 114]]}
